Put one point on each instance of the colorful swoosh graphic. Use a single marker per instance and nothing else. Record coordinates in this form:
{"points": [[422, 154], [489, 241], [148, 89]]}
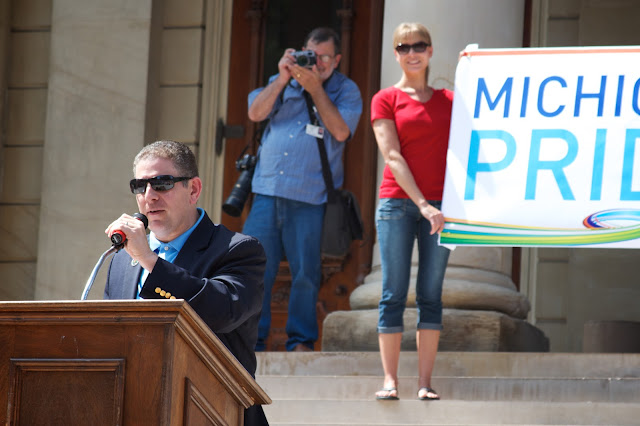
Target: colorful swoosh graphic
{"points": [[607, 226]]}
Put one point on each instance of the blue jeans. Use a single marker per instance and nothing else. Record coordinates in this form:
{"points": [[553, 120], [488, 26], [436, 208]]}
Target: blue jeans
{"points": [[399, 223], [292, 228]]}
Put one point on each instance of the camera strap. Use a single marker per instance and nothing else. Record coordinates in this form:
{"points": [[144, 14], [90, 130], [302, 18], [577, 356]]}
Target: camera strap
{"points": [[326, 169]]}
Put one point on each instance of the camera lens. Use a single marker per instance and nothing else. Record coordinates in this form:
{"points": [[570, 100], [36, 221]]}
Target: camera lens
{"points": [[234, 205], [302, 60]]}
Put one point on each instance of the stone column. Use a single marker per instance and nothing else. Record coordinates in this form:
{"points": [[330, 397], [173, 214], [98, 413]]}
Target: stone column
{"points": [[94, 126]]}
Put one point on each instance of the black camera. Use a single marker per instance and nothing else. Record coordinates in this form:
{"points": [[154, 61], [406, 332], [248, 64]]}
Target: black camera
{"points": [[305, 58], [241, 190]]}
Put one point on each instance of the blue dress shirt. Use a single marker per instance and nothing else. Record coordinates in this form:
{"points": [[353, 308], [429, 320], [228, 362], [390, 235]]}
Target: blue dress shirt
{"points": [[289, 163]]}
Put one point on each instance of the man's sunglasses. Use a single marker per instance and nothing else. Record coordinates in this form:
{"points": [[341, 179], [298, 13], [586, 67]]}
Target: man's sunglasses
{"points": [[158, 183], [418, 47]]}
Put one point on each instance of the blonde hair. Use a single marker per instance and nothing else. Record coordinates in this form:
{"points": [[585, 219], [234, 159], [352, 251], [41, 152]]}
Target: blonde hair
{"points": [[408, 29]]}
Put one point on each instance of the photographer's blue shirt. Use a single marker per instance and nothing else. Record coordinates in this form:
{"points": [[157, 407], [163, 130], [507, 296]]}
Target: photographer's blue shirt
{"points": [[289, 162]]}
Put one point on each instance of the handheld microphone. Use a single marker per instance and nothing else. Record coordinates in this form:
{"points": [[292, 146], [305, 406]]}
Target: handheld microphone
{"points": [[118, 237]]}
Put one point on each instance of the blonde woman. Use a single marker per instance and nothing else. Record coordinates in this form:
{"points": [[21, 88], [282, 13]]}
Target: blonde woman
{"points": [[411, 123]]}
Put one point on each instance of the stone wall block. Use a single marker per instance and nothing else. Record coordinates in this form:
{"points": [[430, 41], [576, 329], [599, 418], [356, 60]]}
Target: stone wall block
{"points": [[27, 114], [17, 280], [29, 59], [21, 164], [183, 13], [19, 233], [181, 55], [31, 14]]}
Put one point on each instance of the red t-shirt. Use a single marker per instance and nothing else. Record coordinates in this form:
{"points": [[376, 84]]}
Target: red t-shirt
{"points": [[423, 131]]}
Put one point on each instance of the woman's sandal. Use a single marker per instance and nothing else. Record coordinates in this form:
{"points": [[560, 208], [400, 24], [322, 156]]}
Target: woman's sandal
{"points": [[391, 394], [426, 397]]}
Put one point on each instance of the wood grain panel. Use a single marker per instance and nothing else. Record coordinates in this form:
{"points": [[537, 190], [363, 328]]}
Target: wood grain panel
{"points": [[198, 411], [78, 392]]}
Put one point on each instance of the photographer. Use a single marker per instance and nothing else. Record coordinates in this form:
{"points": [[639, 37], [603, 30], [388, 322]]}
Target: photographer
{"points": [[288, 209]]}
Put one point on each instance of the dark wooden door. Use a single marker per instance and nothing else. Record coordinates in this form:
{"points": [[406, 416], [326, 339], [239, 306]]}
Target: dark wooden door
{"points": [[260, 33]]}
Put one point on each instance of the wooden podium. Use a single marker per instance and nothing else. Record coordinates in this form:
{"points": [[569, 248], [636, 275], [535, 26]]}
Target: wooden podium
{"points": [[128, 362]]}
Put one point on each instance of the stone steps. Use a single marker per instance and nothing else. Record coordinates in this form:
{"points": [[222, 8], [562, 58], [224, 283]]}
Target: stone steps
{"points": [[478, 388], [360, 388], [468, 364], [310, 412]]}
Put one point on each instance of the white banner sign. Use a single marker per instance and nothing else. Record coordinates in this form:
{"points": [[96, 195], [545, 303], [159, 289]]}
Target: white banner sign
{"points": [[544, 148]]}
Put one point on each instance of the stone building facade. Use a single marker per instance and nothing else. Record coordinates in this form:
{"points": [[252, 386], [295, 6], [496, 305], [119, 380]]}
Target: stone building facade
{"points": [[86, 83]]}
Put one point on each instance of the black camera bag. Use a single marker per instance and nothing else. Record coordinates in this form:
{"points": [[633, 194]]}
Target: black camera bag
{"points": [[342, 223]]}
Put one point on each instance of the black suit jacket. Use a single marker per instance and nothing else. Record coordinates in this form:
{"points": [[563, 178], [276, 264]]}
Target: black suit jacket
{"points": [[220, 273]]}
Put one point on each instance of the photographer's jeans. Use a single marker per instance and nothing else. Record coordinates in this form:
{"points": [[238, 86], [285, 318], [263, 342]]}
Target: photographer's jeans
{"points": [[292, 228], [399, 223]]}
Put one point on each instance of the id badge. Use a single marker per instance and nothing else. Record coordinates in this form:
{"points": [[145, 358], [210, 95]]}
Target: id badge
{"points": [[315, 131]]}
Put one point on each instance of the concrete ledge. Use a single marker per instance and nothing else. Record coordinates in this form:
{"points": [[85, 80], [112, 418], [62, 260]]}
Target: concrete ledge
{"points": [[464, 330]]}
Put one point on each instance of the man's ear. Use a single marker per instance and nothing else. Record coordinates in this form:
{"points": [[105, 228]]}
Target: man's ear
{"points": [[338, 57], [196, 189]]}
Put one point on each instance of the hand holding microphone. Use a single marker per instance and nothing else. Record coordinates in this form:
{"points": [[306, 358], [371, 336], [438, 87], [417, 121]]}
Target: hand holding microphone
{"points": [[128, 232], [118, 237]]}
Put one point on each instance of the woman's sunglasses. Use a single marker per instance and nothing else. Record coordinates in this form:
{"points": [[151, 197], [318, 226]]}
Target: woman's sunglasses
{"points": [[158, 183], [418, 47]]}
